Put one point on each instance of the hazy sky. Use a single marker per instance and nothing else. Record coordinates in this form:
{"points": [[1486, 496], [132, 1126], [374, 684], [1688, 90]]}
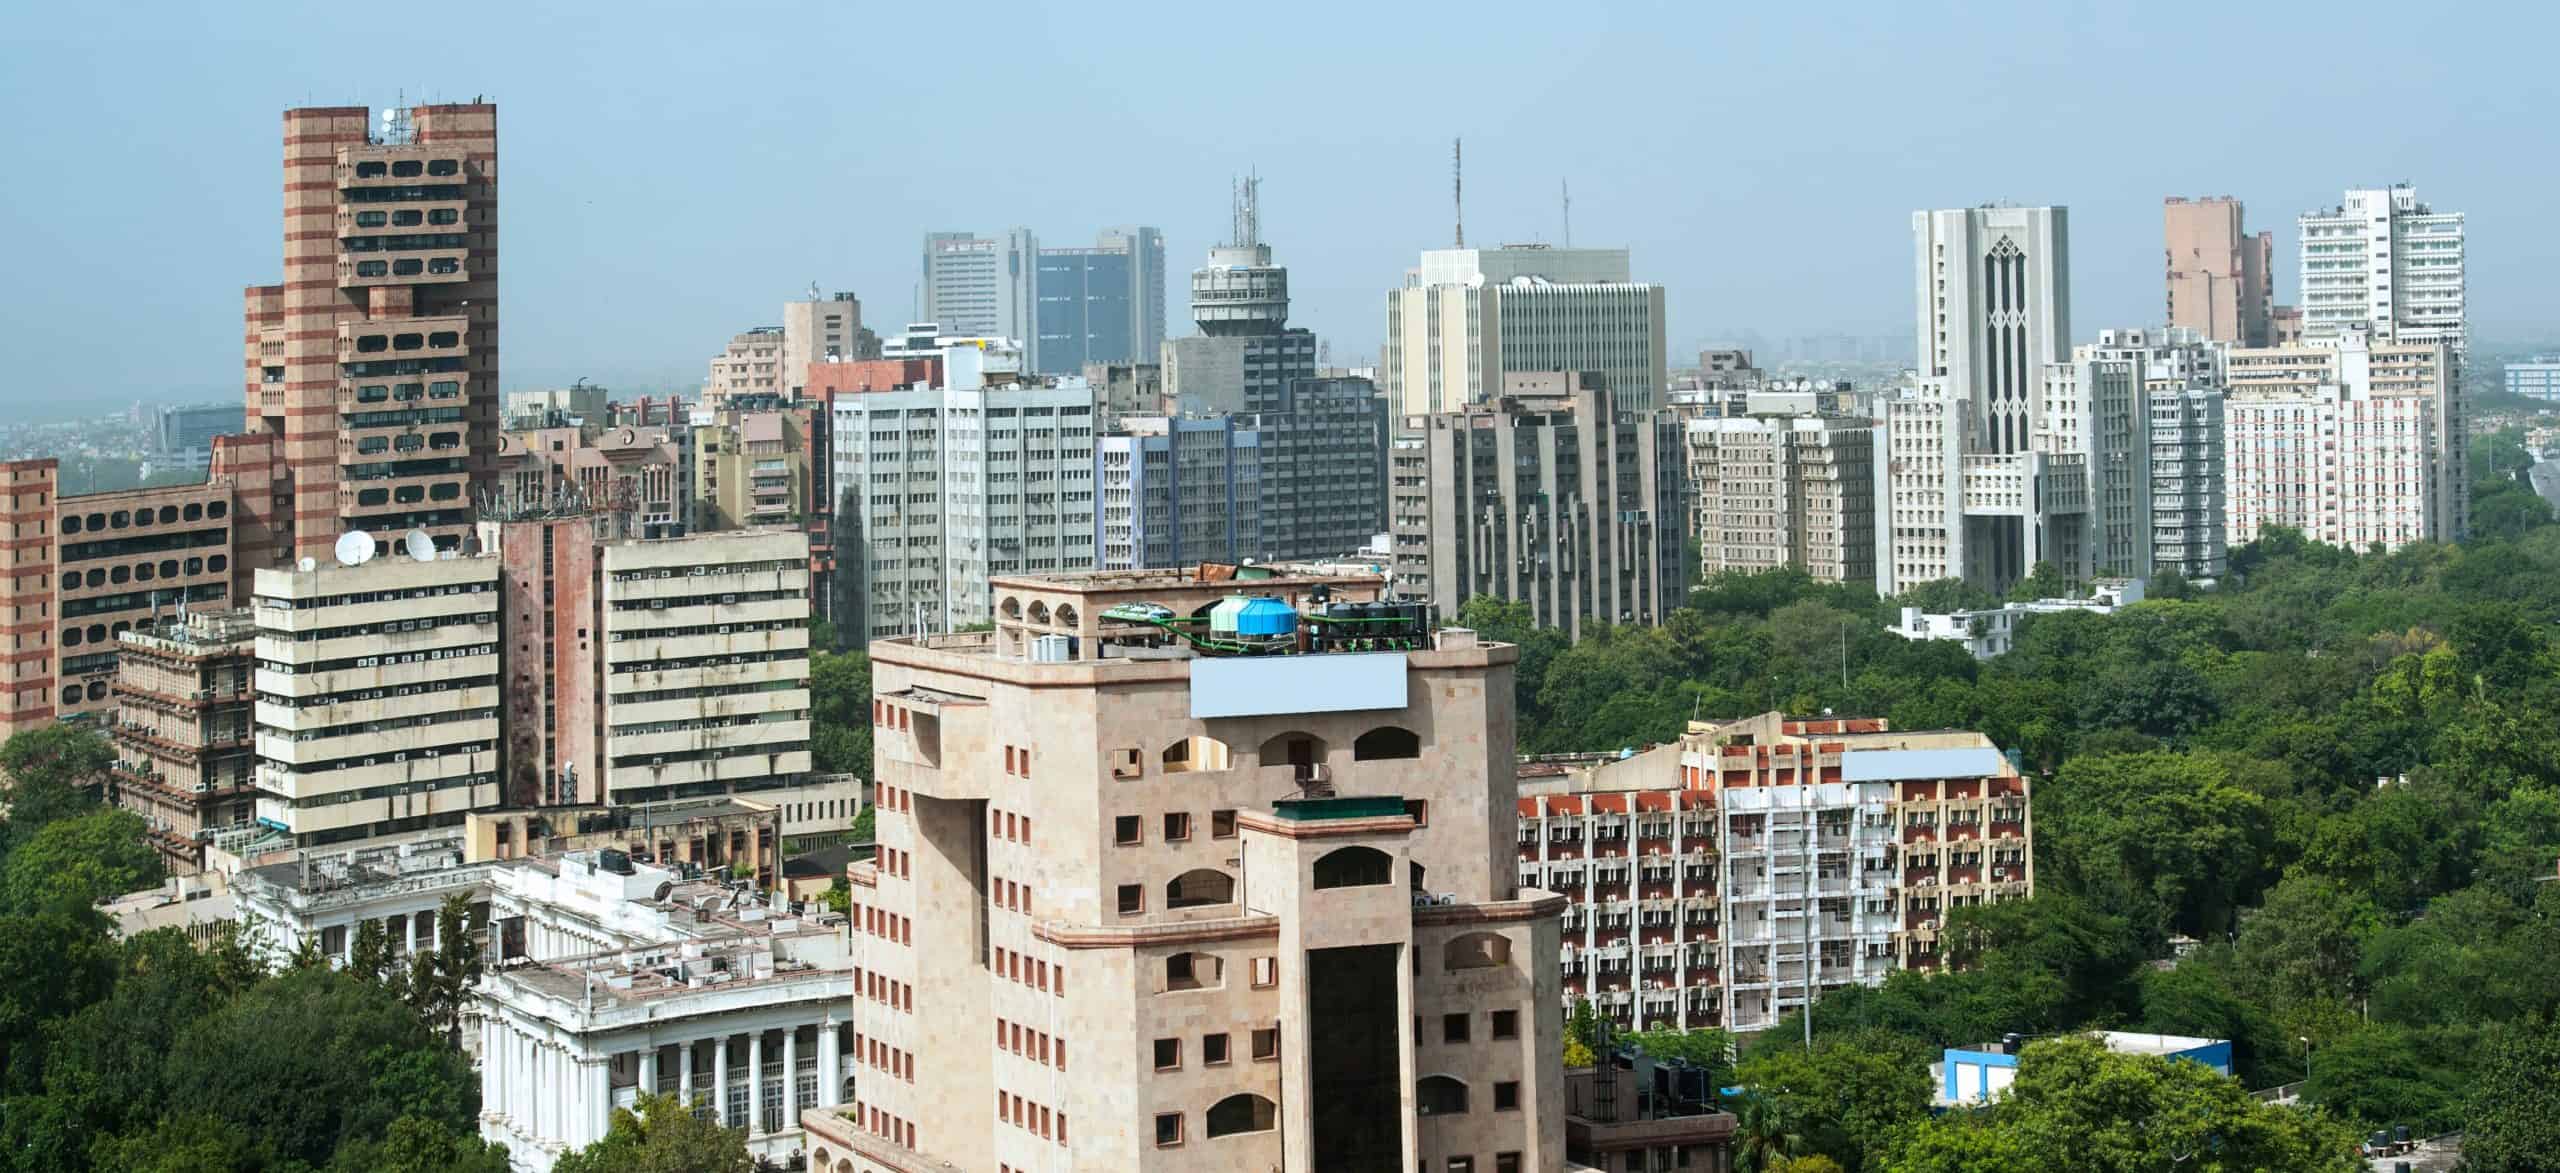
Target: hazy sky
{"points": [[670, 174]]}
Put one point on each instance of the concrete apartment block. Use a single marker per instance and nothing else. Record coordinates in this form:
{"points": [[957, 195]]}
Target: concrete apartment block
{"points": [[2355, 443], [1767, 491], [181, 731], [1140, 908], [706, 664], [378, 697]]}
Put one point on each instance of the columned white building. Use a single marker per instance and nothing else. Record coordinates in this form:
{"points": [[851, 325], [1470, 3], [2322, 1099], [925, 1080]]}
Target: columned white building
{"points": [[613, 980]]}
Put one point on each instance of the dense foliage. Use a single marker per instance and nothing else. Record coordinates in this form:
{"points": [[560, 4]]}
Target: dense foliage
{"points": [[150, 1054], [2332, 780]]}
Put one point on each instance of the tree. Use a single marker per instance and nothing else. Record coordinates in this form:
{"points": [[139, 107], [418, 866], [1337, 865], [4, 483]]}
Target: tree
{"points": [[440, 979], [2045, 581], [2515, 1102], [2165, 840], [184, 1143], [1764, 1135], [1849, 1096], [661, 1137], [840, 711], [2305, 943], [1814, 1163], [50, 773], [81, 860], [417, 1144]]}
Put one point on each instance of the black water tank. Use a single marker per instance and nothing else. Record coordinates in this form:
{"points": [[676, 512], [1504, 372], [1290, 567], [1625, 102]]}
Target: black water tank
{"points": [[614, 861], [2400, 1134]]}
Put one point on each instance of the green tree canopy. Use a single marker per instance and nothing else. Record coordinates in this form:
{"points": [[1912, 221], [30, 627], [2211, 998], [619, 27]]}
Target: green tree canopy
{"points": [[661, 1137]]}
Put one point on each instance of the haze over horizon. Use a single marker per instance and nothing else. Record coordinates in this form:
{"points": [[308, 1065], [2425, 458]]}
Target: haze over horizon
{"points": [[669, 176]]}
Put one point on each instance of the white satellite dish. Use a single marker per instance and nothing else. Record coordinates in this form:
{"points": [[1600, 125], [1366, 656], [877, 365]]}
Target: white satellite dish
{"points": [[355, 548], [421, 548], [309, 565]]}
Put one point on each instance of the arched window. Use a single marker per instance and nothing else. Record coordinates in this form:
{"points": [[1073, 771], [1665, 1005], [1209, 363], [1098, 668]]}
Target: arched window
{"points": [[1241, 1112], [1386, 743], [1476, 951], [1194, 754], [1439, 1095], [1198, 887], [1302, 751], [1066, 615], [1011, 608], [1354, 867], [1194, 971]]}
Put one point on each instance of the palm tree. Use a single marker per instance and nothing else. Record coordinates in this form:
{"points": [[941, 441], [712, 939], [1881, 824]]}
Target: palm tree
{"points": [[1764, 1135]]}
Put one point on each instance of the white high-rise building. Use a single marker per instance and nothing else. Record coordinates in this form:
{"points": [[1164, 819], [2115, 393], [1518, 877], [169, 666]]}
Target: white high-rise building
{"points": [[1996, 457], [2182, 374], [990, 473], [983, 286], [1466, 317], [2383, 259], [2355, 444]]}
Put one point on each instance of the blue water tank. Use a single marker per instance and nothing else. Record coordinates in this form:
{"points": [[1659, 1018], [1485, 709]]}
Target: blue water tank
{"points": [[1266, 616]]}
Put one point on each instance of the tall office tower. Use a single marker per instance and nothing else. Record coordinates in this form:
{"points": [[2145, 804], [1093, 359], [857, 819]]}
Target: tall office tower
{"points": [[2221, 279], [1984, 464], [2356, 443], [2382, 259], [985, 287], [1783, 488], [706, 665], [1103, 304], [1767, 861], [2103, 413], [1547, 495], [379, 693], [2181, 372], [1324, 468], [1267, 904], [972, 471], [1466, 317], [1246, 353], [376, 361], [1171, 491]]}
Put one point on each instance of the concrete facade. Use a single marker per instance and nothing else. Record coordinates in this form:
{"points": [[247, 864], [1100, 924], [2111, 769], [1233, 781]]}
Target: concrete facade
{"points": [[1549, 495], [376, 360], [2356, 444], [2385, 261], [378, 697], [752, 468], [1727, 877], [2221, 279], [181, 731], [1101, 932], [1103, 304], [985, 287], [1169, 492], [706, 665], [1767, 491], [552, 713], [1466, 317]]}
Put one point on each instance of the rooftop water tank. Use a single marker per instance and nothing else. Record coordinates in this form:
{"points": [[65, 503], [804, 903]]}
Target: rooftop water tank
{"points": [[1266, 617]]}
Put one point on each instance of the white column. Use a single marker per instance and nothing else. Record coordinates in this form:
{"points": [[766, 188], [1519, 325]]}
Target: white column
{"points": [[649, 1069], [599, 1119], [684, 1073], [791, 1077], [408, 934], [720, 1081], [830, 1075], [755, 1081], [546, 1094]]}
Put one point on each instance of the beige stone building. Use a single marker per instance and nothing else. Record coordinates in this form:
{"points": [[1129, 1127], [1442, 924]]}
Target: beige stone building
{"points": [[706, 664], [1144, 906], [751, 468], [2221, 279], [378, 697], [1783, 490], [181, 730]]}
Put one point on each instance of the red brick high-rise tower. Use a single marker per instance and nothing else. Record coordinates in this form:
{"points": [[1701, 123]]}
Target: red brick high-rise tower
{"points": [[376, 361]]}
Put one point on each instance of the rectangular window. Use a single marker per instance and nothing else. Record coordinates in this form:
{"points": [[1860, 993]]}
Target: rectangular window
{"points": [[1462, 1165], [1266, 972], [1168, 1129], [1510, 1162], [1133, 899], [1177, 826], [1453, 1028], [1266, 1042], [1125, 831], [1506, 1024], [1168, 1054], [1213, 1049], [1506, 1096], [1222, 824]]}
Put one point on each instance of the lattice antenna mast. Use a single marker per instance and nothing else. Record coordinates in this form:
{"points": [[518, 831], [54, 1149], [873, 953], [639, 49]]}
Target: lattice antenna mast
{"points": [[1458, 186]]}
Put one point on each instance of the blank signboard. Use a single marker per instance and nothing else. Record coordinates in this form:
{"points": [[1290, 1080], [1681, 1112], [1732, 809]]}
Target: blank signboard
{"points": [[1333, 682]]}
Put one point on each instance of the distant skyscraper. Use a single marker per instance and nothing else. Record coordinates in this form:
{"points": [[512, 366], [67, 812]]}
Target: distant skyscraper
{"points": [[1103, 304], [2183, 375], [2220, 278], [1245, 354], [985, 287], [1467, 317], [2383, 259], [376, 359]]}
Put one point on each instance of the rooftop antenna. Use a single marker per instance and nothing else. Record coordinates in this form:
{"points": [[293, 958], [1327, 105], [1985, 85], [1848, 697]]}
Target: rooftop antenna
{"points": [[1458, 186], [1248, 211], [1567, 186], [355, 548], [419, 546]]}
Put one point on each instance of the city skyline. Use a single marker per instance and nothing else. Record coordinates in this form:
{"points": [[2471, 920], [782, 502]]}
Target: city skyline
{"points": [[1794, 229]]}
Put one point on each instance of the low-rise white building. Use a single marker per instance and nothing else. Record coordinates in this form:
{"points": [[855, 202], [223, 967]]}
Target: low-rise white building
{"points": [[1992, 631], [328, 897], [611, 980]]}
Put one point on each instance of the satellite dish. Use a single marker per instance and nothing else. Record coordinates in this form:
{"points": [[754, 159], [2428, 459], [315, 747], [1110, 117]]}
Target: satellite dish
{"points": [[355, 548], [310, 564], [421, 548]]}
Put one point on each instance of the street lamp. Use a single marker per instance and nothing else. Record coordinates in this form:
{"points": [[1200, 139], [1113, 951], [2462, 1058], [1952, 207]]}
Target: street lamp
{"points": [[2305, 1040]]}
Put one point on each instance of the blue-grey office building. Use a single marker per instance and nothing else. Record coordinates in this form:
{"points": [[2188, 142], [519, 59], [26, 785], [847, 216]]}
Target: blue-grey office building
{"points": [[2535, 378], [1103, 304]]}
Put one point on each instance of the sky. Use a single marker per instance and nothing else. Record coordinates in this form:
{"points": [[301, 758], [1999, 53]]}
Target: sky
{"points": [[670, 174]]}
